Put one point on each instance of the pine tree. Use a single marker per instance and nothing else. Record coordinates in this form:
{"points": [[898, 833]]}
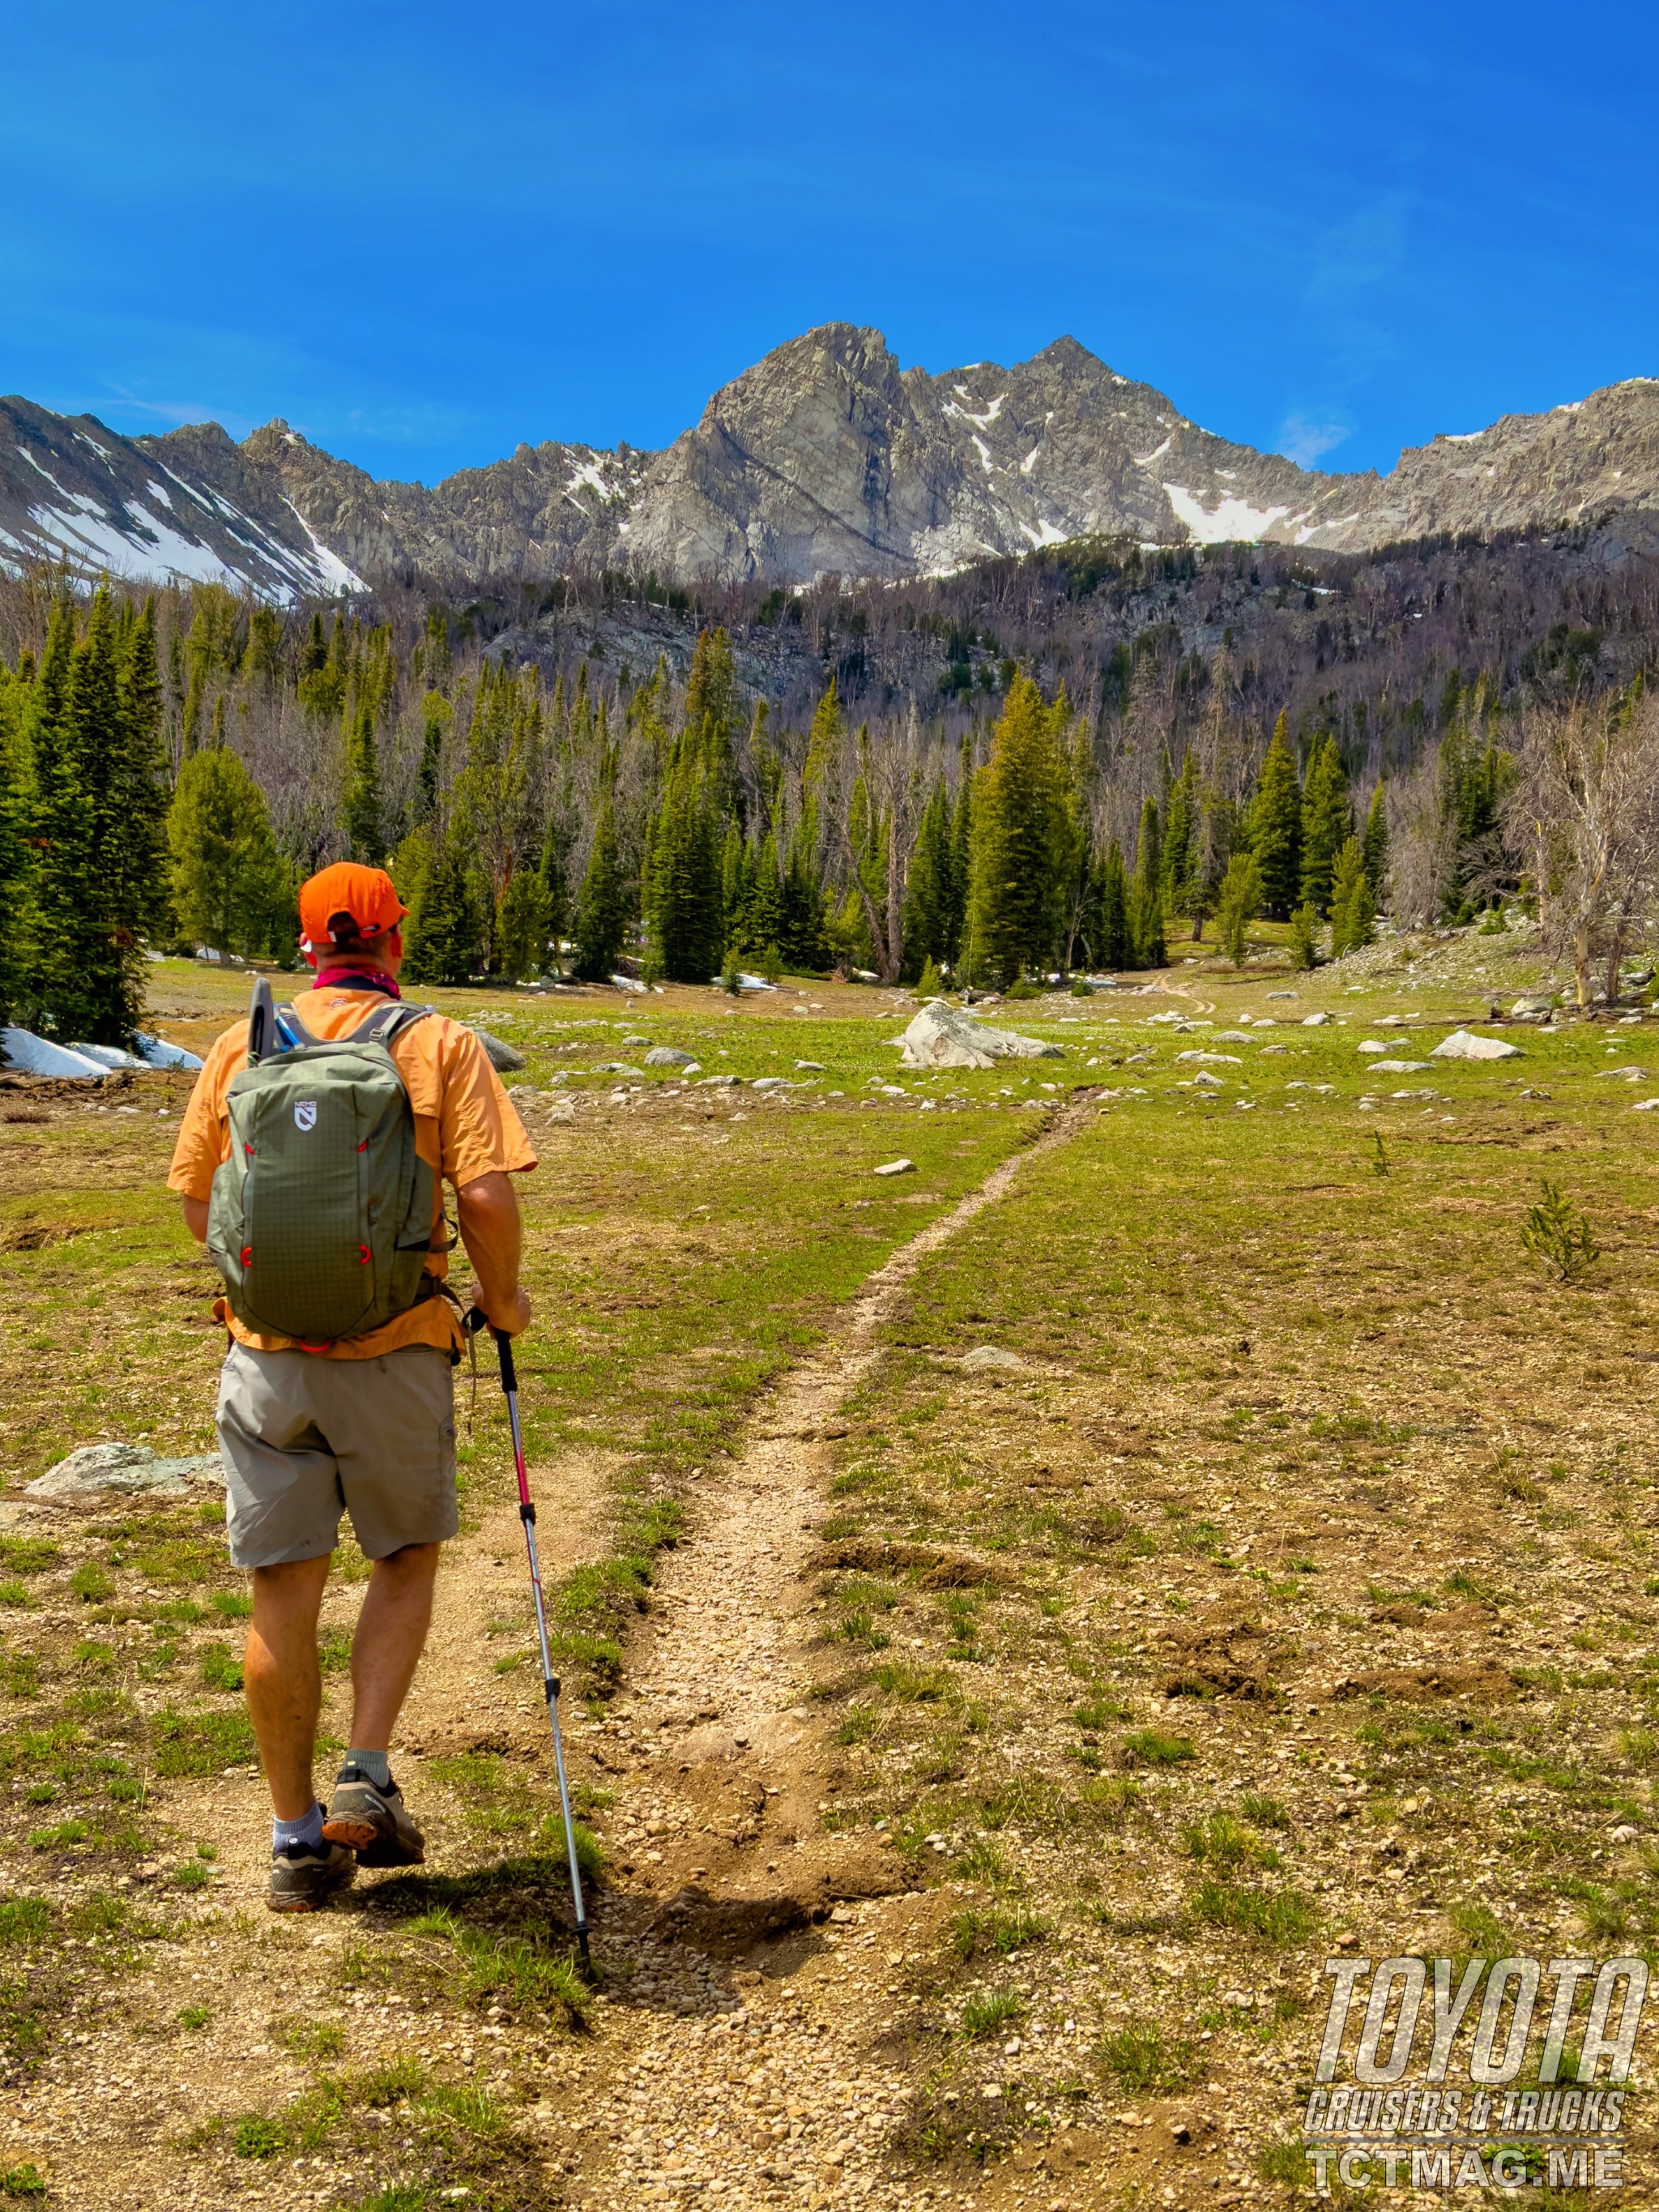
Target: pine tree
{"points": [[1180, 840], [521, 926], [1146, 893], [1113, 948], [1275, 830], [601, 928], [435, 713], [443, 937], [1376, 840], [929, 889], [362, 813], [1353, 911], [685, 906], [1327, 822], [1018, 836], [1303, 942], [231, 887], [137, 858], [15, 851], [1239, 898]]}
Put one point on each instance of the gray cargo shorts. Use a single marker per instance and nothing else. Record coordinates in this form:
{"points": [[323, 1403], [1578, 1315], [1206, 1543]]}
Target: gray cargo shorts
{"points": [[305, 1439]]}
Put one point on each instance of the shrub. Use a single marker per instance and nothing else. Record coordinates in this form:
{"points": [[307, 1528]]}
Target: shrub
{"points": [[1138, 2057], [1153, 1747], [982, 2016], [1558, 1238], [1272, 1916]]}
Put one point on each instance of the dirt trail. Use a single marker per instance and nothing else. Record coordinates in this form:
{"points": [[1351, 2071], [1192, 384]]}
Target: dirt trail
{"points": [[746, 2063], [739, 2055]]}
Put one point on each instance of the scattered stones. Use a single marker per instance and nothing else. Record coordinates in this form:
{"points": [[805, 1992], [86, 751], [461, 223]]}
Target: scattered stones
{"points": [[898, 1168], [1464, 1044], [128, 1468]]}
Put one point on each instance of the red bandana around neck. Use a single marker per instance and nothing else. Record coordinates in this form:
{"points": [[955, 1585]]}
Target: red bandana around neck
{"points": [[357, 979]]}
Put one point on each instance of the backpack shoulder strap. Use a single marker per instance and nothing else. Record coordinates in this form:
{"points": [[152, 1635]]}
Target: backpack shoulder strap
{"points": [[291, 1031], [385, 1022]]}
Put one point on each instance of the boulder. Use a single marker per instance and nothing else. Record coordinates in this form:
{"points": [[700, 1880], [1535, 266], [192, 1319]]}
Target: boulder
{"points": [[809, 1067], [1535, 1002], [664, 1056], [1624, 1074], [129, 1468], [723, 1082], [1314, 1021], [776, 1083], [940, 1036], [631, 1043], [1463, 1044], [990, 1355], [32, 1055], [1398, 1066], [897, 1168], [502, 1056], [1212, 1059]]}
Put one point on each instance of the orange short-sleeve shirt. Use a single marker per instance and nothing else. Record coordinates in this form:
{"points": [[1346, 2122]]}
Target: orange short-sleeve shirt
{"points": [[465, 1126]]}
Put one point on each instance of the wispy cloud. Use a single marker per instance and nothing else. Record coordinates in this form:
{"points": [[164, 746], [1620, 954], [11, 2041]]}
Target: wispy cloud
{"points": [[1303, 441]]}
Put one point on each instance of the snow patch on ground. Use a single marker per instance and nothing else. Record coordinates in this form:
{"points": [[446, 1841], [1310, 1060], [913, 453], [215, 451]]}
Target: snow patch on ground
{"points": [[588, 473], [97, 538], [985, 462], [1233, 520], [1045, 534], [1146, 460], [159, 491], [1026, 465], [1462, 437]]}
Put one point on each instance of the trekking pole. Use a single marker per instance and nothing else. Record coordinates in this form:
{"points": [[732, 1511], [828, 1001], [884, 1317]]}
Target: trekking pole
{"points": [[477, 1320]]}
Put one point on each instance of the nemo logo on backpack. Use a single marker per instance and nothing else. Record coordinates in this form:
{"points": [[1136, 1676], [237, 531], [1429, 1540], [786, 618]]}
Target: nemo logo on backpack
{"points": [[305, 1114]]}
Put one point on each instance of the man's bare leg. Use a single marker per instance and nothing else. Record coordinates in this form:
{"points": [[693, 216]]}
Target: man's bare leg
{"points": [[386, 1650], [282, 1680]]}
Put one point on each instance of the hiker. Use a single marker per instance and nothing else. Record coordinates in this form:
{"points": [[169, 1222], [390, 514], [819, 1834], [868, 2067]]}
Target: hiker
{"points": [[337, 1391]]}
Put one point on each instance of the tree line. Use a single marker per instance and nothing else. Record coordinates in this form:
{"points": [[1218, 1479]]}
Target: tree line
{"points": [[171, 766]]}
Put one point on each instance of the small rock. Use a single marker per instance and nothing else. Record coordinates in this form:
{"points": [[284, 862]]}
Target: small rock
{"points": [[664, 1056], [896, 1167], [774, 1083], [1282, 994], [1373, 1044], [1314, 1021], [1398, 1066], [1540, 1002], [1624, 1834], [722, 1082], [1212, 1059], [809, 1067], [1210, 1082], [124, 1468], [1624, 1074], [1463, 1044], [991, 1355], [1644, 1105]]}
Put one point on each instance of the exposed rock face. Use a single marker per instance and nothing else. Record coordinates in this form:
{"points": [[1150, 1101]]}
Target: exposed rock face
{"points": [[825, 457]]}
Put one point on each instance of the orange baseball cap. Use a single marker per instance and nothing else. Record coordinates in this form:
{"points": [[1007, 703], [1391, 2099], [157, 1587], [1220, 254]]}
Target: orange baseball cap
{"points": [[367, 894]]}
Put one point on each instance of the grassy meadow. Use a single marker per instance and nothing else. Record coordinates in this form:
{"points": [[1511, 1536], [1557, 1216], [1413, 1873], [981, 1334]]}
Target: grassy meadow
{"points": [[1278, 1578]]}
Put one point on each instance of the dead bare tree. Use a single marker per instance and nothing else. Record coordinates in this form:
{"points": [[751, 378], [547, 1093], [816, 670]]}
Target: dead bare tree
{"points": [[1584, 820]]}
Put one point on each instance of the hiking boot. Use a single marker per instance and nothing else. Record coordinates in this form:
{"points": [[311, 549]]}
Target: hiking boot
{"points": [[373, 1822], [302, 1879]]}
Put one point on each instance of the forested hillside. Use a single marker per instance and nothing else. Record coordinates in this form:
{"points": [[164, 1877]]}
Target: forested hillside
{"points": [[1040, 764]]}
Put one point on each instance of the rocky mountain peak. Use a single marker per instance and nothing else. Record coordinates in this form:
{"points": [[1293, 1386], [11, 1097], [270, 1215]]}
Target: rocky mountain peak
{"points": [[825, 457]]}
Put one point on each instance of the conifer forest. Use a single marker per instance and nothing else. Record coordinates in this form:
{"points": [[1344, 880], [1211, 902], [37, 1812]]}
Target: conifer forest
{"points": [[1038, 767]]}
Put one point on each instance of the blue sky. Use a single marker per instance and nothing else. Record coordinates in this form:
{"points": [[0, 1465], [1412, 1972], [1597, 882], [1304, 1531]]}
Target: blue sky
{"points": [[423, 233]]}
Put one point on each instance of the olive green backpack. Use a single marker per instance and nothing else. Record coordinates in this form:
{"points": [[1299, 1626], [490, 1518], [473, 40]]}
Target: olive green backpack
{"points": [[320, 1220]]}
